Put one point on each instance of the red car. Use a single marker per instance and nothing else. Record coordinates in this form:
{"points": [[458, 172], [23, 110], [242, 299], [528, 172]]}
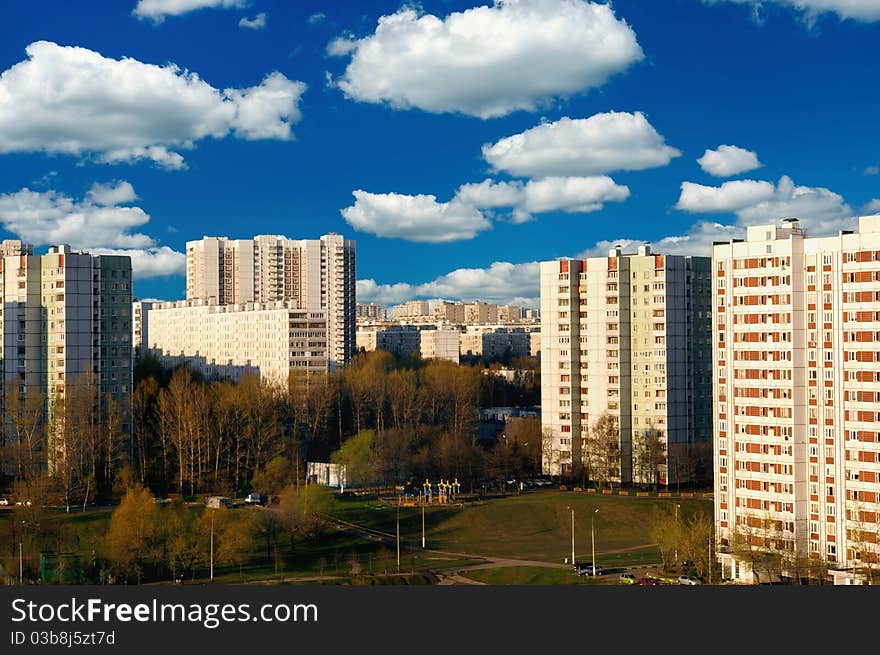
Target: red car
{"points": [[649, 582]]}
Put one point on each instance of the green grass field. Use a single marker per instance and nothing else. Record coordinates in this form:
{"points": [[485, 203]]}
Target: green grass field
{"points": [[532, 526], [535, 575]]}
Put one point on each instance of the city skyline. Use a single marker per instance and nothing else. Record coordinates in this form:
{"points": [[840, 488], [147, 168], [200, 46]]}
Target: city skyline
{"points": [[270, 124]]}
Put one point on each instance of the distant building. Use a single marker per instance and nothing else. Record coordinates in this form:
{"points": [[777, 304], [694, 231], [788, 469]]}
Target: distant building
{"points": [[315, 274], [495, 343], [419, 309], [225, 341], [140, 327], [449, 312], [440, 344], [401, 340], [371, 311]]}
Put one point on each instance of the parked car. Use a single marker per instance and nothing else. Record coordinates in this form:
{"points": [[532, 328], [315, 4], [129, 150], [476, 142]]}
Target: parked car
{"points": [[627, 578], [587, 568], [649, 582], [4, 501], [26, 503], [688, 580]]}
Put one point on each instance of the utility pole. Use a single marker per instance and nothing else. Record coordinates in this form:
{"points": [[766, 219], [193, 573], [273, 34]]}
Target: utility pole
{"points": [[20, 564], [212, 545], [710, 559], [572, 535], [398, 536], [677, 505], [593, 539]]}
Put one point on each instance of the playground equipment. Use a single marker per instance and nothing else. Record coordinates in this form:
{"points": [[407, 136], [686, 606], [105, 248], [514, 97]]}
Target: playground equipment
{"points": [[441, 492]]}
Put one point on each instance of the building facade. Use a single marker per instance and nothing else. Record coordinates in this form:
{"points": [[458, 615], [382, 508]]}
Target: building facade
{"points": [[316, 274], [627, 336], [372, 312], [226, 341], [66, 321], [797, 398], [439, 344]]}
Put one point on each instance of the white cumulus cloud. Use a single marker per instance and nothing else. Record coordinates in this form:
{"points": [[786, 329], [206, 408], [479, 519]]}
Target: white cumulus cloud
{"points": [[98, 223], [872, 207], [820, 210], [156, 261], [729, 197], [501, 282], [861, 10], [415, 218], [74, 101], [696, 241], [258, 22], [726, 160], [612, 141], [568, 194], [120, 193], [157, 10], [487, 61]]}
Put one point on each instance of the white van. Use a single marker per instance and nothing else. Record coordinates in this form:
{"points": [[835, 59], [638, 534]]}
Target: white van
{"points": [[216, 502]]}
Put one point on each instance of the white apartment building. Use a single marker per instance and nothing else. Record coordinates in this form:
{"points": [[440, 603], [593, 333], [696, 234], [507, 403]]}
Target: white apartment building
{"points": [[449, 312], [418, 309], [495, 342], [401, 340], [797, 397], [316, 274], [440, 344], [626, 335], [140, 327], [225, 341], [372, 312], [65, 315]]}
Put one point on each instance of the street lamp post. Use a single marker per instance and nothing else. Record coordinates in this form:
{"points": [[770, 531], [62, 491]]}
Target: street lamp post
{"points": [[212, 545], [398, 536], [572, 535], [423, 526], [677, 506], [593, 538]]}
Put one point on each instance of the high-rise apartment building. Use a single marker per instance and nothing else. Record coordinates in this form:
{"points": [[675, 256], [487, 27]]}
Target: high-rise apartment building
{"points": [[627, 336], [66, 316], [316, 274], [796, 351]]}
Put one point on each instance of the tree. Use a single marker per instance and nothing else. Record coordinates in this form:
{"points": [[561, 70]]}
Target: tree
{"points": [[143, 427], [667, 532], [358, 456], [267, 527], [604, 449], [235, 540], [304, 510], [274, 476], [649, 453], [25, 429], [133, 532]]}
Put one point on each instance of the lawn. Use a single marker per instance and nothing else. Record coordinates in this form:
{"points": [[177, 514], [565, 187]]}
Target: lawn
{"points": [[533, 526], [535, 575]]}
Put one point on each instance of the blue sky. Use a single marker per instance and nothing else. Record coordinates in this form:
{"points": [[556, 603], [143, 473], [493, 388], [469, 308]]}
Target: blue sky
{"points": [[138, 125]]}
